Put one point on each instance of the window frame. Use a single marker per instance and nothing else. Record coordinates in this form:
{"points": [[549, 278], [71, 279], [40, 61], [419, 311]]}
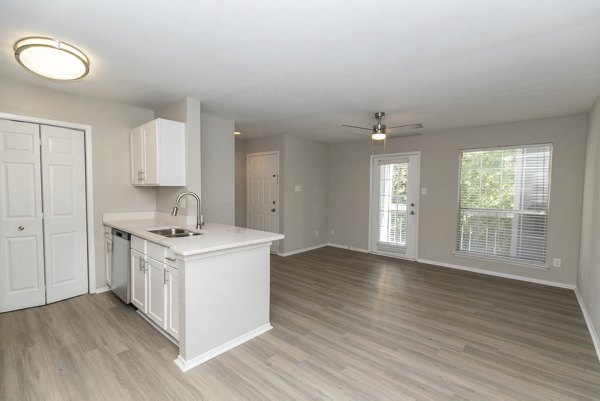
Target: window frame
{"points": [[498, 258]]}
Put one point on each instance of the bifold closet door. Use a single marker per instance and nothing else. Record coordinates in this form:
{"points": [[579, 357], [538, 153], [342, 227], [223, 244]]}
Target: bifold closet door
{"points": [[63, 189], [21, 227]]}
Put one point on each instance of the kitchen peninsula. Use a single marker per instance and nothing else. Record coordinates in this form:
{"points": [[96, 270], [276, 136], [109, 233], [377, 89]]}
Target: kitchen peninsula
{"points": [[209, 290]]}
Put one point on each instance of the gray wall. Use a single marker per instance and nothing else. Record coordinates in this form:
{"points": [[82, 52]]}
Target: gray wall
{"points": [[589, 263], [240, 182], [306, 212], [187, 111], [349, 194], [218, 169], [110, 144]]}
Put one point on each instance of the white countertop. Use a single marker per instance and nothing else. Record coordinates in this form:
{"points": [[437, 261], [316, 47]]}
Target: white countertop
{"points": [[214, 236]]}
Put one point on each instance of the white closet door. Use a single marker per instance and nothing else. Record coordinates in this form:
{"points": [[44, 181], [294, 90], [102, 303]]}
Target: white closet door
{"points": [[63, 173], [21, 228]]}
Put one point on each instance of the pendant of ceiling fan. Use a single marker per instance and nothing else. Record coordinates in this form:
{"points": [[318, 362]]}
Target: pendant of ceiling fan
{"points": [[379, 131]]}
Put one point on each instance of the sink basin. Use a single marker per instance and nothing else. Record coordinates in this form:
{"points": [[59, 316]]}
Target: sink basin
{"points": [[174, 232]]}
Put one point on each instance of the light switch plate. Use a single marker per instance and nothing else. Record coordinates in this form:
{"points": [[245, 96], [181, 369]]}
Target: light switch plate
{"points": [[297, 188], [423, 191], [556, 262]]}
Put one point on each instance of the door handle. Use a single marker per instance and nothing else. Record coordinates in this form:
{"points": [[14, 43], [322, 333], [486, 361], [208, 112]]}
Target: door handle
{"points": [[21, 228]]}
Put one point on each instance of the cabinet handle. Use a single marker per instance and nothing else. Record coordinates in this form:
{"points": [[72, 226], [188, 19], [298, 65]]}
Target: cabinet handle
{"points": [[165, 276], [139, 175], [143, 175], [142, 264], [171, 259]]}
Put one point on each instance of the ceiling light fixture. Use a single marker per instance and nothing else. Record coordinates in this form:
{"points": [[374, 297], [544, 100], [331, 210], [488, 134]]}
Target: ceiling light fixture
{"points": [[378, 136], [51, 58], [237, 133]]}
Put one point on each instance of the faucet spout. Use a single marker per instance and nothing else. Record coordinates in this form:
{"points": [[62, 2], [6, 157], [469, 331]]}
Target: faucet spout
{"points": [[199, 217]]}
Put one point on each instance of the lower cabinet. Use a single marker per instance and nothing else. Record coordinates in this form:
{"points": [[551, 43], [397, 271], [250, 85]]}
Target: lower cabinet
{"points": [[139, 284], [108, 254], [155, 290], [173, 302]]}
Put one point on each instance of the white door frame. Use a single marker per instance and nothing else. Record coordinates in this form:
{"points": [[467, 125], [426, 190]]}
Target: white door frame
{"points": [[89, 185], [272, 152], [418, 194]]}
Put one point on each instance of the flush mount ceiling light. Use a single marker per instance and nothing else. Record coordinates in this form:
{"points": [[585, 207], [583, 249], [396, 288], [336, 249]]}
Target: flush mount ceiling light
{"points": [[51, 58]]}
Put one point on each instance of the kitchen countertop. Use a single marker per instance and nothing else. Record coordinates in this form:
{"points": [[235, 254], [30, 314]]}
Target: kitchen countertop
{"points": [[214, 236]]}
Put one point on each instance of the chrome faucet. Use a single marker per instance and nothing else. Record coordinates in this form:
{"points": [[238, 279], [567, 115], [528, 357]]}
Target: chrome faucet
{"points": [[199, 217]]}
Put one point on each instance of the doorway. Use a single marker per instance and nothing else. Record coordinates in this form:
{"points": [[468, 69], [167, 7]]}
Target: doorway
{"points": [[394, 205], [262, 193]]}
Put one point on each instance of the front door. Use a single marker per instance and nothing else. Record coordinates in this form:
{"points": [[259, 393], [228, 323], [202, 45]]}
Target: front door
{"points": [[263, 193], [394, 204]]}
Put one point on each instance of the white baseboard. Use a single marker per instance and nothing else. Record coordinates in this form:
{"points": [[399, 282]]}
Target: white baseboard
{"points": [[497, 274], [102, 289], [191, 363], [588, 321], [350, 248], [311, 248]]}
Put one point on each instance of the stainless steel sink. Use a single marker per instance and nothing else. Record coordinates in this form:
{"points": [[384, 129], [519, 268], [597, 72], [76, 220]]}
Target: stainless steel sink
{"points": [[174, 232]]}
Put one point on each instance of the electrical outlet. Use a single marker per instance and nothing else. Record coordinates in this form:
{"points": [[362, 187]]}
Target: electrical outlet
{"points": [[332, 231], [556, 262], [316, 233], [297, 188]]}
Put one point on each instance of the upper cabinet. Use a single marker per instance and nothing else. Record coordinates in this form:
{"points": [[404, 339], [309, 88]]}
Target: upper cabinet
{"points": [[158, 153]]}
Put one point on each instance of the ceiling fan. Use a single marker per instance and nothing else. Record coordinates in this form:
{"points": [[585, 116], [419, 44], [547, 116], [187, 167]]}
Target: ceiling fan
{"points": [[379, 131]]}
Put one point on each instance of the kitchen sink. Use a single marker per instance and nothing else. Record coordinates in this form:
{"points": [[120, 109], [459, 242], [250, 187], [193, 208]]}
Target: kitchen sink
{"points": [[174, 232]]}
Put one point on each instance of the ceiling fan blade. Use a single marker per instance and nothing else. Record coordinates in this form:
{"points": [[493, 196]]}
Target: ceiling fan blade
{"points": [[411, 126], [400, 134], [354, 126]]}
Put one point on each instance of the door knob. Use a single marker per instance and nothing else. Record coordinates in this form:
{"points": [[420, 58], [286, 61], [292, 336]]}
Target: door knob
{"points": [[412, 212], [21, 228], [273, 209]]}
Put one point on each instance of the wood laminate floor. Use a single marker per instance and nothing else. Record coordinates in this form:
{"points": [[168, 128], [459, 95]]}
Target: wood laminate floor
{"points": [[348, 326]]}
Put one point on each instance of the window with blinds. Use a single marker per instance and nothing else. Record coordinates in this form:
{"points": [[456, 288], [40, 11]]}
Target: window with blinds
{"points": [[503, 203]]}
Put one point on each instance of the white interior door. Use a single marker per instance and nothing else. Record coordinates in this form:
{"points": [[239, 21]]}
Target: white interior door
{"points": [[394, 204], [63, 189], [263, 193], [21, 226]]}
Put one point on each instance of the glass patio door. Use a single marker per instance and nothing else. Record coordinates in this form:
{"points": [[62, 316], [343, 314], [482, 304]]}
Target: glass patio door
{"points": [[394, 197]]}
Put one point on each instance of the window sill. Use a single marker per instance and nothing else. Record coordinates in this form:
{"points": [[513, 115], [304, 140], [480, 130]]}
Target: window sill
{"points": [[500, 259]]}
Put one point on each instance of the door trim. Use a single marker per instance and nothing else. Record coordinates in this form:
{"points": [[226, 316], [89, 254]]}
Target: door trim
{"points": [[89, 184], [279, 197], [418, 195]]}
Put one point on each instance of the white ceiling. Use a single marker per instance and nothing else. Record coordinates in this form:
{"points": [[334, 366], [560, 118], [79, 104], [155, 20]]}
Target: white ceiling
{"points": [[306, 67]]}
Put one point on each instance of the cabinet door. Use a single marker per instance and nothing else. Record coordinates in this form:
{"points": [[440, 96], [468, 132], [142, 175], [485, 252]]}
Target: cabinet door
{"points": [[151, 159], [157, 291], [136, 143], [173, 302], [139, 283], [108, 259]]}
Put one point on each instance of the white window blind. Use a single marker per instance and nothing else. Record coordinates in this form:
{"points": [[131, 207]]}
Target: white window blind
{"points": [[503, 202]]}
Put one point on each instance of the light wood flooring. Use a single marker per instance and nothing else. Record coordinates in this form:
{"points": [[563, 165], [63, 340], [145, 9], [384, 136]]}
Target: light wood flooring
{"points": [[347, 326]]}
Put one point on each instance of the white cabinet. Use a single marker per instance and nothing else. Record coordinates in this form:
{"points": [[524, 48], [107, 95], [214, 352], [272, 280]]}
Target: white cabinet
{"points": [[173, 302], [139, 282], [108, 247], [157, 292], [157, 151], [155, 284]]}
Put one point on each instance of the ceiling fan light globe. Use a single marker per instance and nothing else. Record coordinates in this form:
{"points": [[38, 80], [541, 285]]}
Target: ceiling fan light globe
{"points": [[378, 136]]}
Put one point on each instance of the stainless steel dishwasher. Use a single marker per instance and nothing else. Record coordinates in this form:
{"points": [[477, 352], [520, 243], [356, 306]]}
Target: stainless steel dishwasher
{"points": [[121, 260]]}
